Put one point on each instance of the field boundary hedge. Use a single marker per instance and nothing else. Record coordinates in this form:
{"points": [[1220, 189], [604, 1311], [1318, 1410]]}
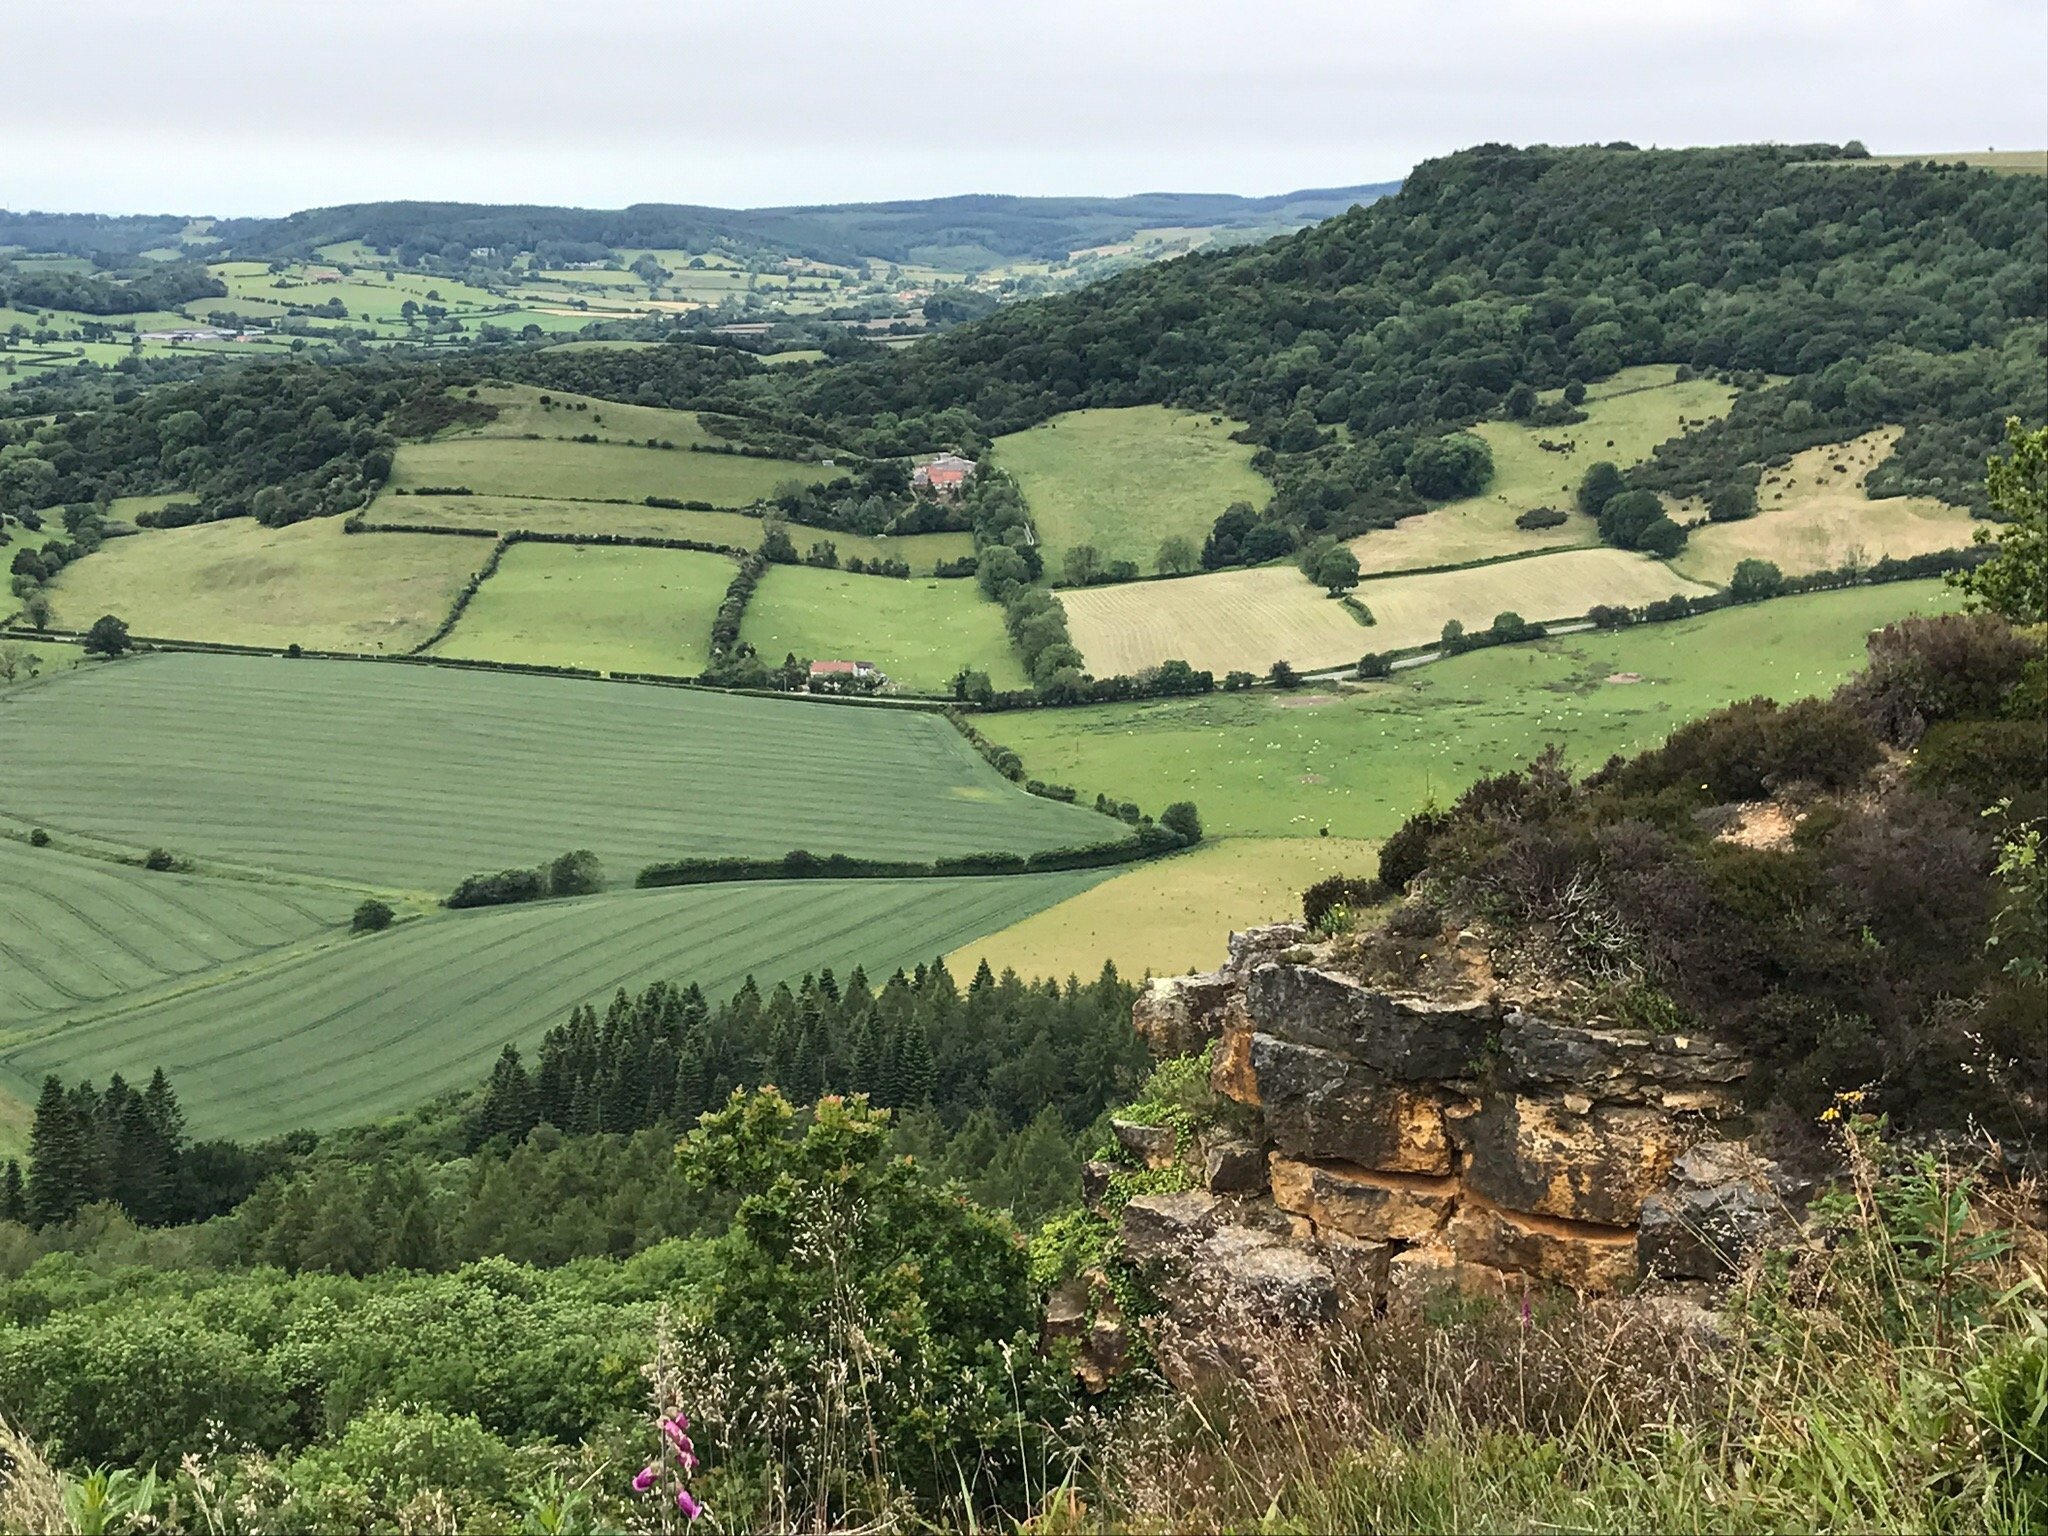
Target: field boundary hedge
{"points": [[469, 590], [1149, 843]]}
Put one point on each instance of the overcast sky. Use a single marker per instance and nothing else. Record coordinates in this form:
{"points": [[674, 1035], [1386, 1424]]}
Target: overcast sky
{"points": [[263, 106]]}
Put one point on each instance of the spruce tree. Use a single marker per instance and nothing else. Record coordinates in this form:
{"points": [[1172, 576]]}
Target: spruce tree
{"points": [[508, 1106], [910, 1065], [13, 1193], [56, 1158]]}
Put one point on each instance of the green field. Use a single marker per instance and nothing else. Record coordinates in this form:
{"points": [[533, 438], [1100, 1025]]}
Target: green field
{"points": [[616, 609], [521, 414], [239, 583], [1171, 915], [80, 930], [512, 466], [920, 631], [340, 1031], [409, 777], [1627, 416], [1359, 760], [536, 514], [1125, 479]]}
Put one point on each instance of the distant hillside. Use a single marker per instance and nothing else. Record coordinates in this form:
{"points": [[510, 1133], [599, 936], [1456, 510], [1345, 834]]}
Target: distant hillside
{"points": [[998, 228], [1911, 295]]}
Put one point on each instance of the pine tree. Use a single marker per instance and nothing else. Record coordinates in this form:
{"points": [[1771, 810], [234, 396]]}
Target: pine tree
{"points": [[909, 1072], [56, 1158], [13, 1193], [508, 1108]]}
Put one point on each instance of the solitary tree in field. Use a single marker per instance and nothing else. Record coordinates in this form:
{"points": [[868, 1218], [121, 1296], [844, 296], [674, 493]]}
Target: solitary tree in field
{"points": [[1336, 570], [1083, 565], [107, 637]]}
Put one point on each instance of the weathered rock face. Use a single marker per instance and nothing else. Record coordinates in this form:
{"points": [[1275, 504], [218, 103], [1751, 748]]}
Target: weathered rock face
{"points": [[1418, 1142]]}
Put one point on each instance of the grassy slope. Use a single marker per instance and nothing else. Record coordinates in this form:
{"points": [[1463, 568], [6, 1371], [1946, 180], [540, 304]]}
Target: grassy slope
{"points": [[1626, 417], [1812, 516], [920, 631], [411, 777], [1123, 480], [241, 583], [1171, 916], [342, 1031], [537, 514], [1359, 761], [511, 466], [614, 609], [521, 414]]}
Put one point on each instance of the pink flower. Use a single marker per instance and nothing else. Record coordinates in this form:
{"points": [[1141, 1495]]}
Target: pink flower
{"points": [[645, 1479], [690, 1507], [673, 1428]]}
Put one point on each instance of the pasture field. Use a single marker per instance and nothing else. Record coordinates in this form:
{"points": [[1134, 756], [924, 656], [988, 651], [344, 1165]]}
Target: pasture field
{"points": [[76, 931], [1358, 759], [237, 582], [1223, 620], [921, 632], [603, 606], [343, 1031], [50, 656], [2022, 162], [500, 466], [1813, 517], [1172, 915], [1627, 416], [1412, 610], [408, 777], [1124, 479], [740, 530], [1251, 618], [521, 414]]}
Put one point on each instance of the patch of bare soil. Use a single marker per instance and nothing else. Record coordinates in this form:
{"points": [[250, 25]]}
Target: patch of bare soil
{"points": [[1765, 825], [1624, 677]]}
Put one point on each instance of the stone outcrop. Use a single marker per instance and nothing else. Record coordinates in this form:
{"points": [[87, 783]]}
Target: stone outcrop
{"points": [[1402, 1144]]}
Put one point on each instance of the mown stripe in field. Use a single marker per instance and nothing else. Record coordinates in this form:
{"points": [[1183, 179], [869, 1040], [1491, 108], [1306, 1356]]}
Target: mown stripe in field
{"points": [[414, 777], [75, 931], [350, 1030]]}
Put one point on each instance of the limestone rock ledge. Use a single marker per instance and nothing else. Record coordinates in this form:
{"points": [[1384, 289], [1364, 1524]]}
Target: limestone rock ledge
{"points": [[1407, 1143]]}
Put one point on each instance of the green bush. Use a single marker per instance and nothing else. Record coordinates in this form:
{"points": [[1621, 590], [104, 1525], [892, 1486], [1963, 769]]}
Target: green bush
{"points": [[372, 916]]}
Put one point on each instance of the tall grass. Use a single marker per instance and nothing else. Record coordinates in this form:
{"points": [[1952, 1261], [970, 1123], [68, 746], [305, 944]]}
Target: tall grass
{"points": [[1892, 1375]]}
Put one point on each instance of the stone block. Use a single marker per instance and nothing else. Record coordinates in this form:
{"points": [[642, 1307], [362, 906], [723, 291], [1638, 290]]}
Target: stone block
{"points": [[1576, 1254], [1360, 1203], [1534, 1155], [1156, 1146], [1317, 1105], [1408, 1039], [1233, 1167]]}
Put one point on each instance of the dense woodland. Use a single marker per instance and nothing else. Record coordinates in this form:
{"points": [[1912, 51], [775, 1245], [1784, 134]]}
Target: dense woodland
{"points": [[1909, 295]]}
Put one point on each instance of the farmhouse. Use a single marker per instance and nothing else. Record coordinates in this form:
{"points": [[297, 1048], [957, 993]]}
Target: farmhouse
{"points": [[845, 677], [944, 474]]}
